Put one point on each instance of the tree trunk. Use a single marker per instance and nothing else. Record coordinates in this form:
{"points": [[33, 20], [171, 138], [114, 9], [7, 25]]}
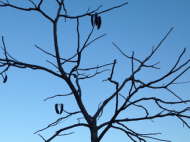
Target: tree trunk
{"points": [[94, 131]]}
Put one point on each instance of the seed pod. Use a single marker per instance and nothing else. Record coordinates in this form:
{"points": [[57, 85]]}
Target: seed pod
{"points": [[5, 79], [96, 20], [56, 108], [92, 20], [96, 15], [61, 106], [99, 22]]}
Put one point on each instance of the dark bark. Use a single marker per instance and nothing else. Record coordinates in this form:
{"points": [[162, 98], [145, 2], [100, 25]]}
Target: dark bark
{"points": [[94, 131]]}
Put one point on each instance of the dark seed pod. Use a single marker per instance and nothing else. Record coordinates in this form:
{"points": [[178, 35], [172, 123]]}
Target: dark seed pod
{"points": [[99, 22], [61, 106], [5, 79], [56, 108], [92, 20], [96, 15], [96, 20]]}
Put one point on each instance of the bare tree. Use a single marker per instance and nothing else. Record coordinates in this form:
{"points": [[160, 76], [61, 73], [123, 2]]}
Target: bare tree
{"points": [[77, 73]]}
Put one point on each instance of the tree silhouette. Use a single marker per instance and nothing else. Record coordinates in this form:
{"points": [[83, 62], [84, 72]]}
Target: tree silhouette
{"points": [[77, 73]]}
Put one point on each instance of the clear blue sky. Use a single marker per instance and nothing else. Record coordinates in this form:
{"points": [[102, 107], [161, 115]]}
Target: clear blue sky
{"points": [[134, 27]]}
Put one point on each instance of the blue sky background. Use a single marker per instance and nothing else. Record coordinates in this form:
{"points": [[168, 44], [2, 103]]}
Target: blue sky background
{"points": [[134, 27]]}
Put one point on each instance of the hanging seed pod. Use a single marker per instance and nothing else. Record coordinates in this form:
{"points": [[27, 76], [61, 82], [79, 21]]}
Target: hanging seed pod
{"points": [[56, 108], [96, 19], [99, 22], [96, 15], [5, 79], [61, 106], [92, 20]]}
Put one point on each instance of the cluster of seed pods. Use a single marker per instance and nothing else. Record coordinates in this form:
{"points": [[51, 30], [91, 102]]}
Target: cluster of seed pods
{"points": [[57, 109], [95, 19]]}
